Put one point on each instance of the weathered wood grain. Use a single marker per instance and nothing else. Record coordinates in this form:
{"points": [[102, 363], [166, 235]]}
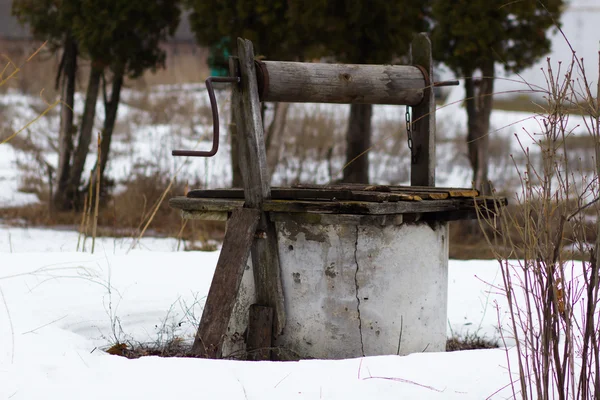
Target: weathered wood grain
{"points": [[297, 82], [267, 273], [260, 336], [419, 190], [251, 142], [367, 208], [422, 171], [309, 194], [187, 204], [226, 282], [240, 163], [257, 187], [206, 215], [340, 207]]}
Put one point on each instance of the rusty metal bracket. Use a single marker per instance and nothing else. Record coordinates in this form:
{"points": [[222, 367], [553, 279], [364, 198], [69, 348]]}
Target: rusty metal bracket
{"points": [[425, 75], [215, 115], [262, 79], [428, 82]]}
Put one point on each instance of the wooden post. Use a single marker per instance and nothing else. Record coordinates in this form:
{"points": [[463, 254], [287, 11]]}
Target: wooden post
{"points": [[260, 328], [226, 282], [257, 187], [422, 171]]}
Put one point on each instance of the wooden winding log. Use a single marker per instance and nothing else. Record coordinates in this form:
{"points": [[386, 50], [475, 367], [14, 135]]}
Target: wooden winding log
{"points": [[296, 82]]}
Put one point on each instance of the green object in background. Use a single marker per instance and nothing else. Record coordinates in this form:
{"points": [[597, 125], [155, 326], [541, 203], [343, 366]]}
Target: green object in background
{"points": [[218, 58]]}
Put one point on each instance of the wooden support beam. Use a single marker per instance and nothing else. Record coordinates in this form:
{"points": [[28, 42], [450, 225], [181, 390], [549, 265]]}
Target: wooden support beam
{"points": [[226, 282], [257, 188], [295, 82], [260, 333], [422, 172]]}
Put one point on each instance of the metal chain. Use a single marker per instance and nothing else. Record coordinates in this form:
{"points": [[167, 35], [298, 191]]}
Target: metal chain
{"points": [[409, 130]]}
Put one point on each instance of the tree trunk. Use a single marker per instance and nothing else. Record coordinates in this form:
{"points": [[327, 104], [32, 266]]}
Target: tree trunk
{"points": [[274, 138], [110, 116], [358, 140], [85, 138], [67, 130], [479, 108]]}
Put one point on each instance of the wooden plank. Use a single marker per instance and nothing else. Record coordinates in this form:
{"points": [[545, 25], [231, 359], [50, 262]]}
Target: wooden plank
{"points": [[236, 112], [296, 82], [251, 143], [309, 194], [260, 333], [338, 207], [226, 282], [422, 171], [267, 273], [452, 192], [224, 205], [206, 215], [257, 188], [361, 207], [463, 193]]}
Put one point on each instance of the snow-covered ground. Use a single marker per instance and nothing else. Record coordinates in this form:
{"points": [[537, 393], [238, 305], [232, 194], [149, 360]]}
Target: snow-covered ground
{"points": [[59, 308]]}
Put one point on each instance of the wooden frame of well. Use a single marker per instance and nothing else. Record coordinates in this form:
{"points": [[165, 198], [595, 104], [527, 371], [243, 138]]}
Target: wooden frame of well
{"points": [[333, 271]]}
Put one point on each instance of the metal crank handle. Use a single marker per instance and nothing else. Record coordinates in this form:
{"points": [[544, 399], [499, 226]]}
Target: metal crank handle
{"points": [[215, 115]]}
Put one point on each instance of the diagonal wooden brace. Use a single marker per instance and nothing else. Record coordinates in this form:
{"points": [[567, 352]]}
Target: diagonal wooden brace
{"points": [[225, 285]]}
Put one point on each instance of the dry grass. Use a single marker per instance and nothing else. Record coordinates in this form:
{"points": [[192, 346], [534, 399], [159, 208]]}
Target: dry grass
{"points": [[34, 76], [525, 103], [175, 347], [125, 213], [470, 341]]}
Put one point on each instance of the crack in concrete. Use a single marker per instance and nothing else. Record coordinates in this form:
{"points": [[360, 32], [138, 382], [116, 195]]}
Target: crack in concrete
{"points": [[362, 345]]}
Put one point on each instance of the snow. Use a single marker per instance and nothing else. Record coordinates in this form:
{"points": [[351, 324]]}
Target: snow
{"points": [[59, 310]]}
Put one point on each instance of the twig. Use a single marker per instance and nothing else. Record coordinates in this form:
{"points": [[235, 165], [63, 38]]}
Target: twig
{"points": [[81, 226], [12, 328], [88, 212], [580, 209], [97, 205], [282, 379], [45, 325], [404, 381]]}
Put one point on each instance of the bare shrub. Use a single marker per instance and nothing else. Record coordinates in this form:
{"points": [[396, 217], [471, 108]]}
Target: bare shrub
{"points": [[553, 300]]}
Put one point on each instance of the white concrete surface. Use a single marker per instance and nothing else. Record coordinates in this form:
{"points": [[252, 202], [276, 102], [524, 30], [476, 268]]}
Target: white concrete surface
{"points": [[354, 290]]}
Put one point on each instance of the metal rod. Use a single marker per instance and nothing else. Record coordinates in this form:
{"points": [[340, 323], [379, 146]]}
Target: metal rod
{"points": [[445, 83], [215, 115]]}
